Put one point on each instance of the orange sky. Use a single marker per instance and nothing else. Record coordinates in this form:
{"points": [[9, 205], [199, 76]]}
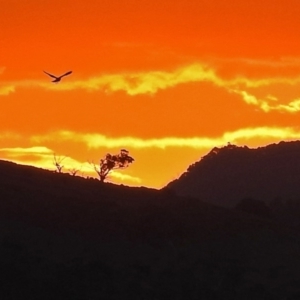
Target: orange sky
{"points": [[167, 80]]}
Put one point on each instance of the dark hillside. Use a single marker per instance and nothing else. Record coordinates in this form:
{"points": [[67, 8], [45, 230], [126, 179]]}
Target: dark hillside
{"points": [[64, 237], [229, 174]]}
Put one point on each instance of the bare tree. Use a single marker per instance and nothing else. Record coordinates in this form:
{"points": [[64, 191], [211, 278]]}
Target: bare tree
{"points": [[57, 163], [74, 171], [110, 162], [96, 168]]}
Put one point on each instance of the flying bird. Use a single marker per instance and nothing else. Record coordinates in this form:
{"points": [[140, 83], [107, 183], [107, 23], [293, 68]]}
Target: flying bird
{"points": [[58, 78]]}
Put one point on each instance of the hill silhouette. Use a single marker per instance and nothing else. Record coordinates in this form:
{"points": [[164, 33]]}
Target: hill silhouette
{"points": [[229, 174], [66, 237]]}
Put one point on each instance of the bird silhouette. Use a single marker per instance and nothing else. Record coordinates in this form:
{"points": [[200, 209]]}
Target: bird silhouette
{"points": [[57, 78]]}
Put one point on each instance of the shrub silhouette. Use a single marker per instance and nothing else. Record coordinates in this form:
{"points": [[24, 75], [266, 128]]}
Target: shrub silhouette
{"points": [[253, 206]]}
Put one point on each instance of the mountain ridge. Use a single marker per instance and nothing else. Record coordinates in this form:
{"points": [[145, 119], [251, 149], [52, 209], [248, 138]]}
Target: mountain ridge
{"points": [[229, 174], [66, 237]]}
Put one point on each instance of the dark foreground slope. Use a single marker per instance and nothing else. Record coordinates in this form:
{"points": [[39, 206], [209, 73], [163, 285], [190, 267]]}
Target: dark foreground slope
{"points": [[227, 175], [64, 237]]}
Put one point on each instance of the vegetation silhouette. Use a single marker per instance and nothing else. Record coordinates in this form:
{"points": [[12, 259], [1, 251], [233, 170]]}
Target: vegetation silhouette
{"points": [[74, 171], [111, 162], [68, 237], [254, 206], [57, 162]]}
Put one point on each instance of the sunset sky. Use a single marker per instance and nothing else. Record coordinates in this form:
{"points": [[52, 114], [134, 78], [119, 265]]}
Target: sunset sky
{"points": [[166, 80]]}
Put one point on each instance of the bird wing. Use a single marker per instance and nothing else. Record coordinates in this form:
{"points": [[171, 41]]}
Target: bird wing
{"points": [[68, 73], [50, 75]]}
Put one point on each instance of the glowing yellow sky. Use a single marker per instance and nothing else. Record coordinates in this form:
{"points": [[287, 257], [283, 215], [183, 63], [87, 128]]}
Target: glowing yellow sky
{"points": [[167, 80]]}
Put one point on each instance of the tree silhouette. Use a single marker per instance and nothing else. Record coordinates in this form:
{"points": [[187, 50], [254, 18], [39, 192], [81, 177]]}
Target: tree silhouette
{"points": [[57, 163], [110, 162], [74, 171]]}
